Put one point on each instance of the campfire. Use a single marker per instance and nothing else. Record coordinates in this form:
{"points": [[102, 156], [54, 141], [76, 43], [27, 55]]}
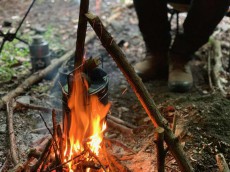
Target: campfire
{"points": [[83, 124], [76, 146]]}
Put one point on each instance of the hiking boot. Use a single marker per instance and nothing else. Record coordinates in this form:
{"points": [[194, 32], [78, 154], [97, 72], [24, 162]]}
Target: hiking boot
{"points": [[180, 76], [153, 67]]}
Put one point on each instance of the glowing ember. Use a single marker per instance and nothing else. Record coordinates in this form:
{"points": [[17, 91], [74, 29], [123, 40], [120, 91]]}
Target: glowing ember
{"points": [[87, 120]]}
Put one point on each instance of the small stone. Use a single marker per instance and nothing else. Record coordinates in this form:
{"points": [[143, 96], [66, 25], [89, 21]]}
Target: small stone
{"points": [[205, 92], [24, 99], [3, 128]]}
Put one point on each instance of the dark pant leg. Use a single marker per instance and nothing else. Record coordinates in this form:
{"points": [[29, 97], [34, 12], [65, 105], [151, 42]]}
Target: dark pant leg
{"points": [[153, 24], [202, 18]]}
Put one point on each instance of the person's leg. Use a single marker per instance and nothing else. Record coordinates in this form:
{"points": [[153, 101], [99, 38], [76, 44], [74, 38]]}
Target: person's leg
{"points": [[153, 24], [202, 18], [155, 29]]}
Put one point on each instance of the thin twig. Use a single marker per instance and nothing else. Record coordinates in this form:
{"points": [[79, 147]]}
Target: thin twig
{"points": [[41, 159], [13, 147], [61, 165], [95, 156]]}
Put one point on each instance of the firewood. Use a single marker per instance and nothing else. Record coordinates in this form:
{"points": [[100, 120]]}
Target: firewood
{"points": [[113, 161], [13, 147], [221, 162], [119, 121], [123, 129], [60, 139], [141, 92], [19, 105], [34, 153], [159, 140], [40, 160], [91, 153], [41, 130], [61, 165], [36, 143], [90, 164]]}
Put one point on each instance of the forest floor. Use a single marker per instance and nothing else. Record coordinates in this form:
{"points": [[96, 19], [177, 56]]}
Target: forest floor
{"points": [[203, 125]]}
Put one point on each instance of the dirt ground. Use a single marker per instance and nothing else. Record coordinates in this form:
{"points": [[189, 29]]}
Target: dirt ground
{"points": [[203, 125]]}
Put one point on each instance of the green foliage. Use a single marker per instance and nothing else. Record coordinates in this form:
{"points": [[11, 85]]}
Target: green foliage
{"points": [[53, 39], [12, 56]]}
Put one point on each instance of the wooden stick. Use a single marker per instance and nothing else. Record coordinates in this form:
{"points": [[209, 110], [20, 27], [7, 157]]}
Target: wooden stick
{"points": [[140, 91], [210, 73], [60, 141], [40, 160], [119, 121], [116, 142], [114, 164], [81, 33], [41, 130], [159, 140], [36, 107], [123, 129], [218, 68], [13, 147], [34, 78], [221, 162]]}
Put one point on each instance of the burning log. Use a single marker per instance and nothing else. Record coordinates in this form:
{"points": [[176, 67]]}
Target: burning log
{"points": [[41, 159], [13, 147], [140, 91]]}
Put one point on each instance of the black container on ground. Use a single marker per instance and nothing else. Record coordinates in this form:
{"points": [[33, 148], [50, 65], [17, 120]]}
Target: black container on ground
{"points": [[40, 55]]}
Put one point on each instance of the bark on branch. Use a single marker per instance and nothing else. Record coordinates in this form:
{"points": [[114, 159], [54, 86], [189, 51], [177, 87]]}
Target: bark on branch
{"points": [[81, 33], [140, 91], [13, 147], [159, 140]]}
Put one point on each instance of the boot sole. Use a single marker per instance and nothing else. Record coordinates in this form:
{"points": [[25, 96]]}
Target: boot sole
{"points": [[180, 87]]}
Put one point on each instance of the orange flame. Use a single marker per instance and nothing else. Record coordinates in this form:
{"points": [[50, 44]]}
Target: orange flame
{"points": [[87, 121]]}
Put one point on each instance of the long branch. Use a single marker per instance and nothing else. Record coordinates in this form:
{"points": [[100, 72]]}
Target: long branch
{"points": [[140, 91], [81, 33]]}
